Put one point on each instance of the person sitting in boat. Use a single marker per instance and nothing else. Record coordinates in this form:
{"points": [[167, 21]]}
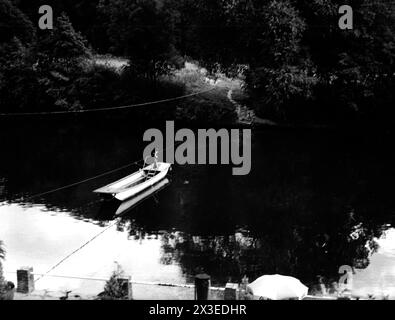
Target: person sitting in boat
{"points": [[155, 159], [149, 173]]}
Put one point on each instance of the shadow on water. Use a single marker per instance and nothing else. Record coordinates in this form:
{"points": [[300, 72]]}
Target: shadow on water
{"points": [[314, 201]]}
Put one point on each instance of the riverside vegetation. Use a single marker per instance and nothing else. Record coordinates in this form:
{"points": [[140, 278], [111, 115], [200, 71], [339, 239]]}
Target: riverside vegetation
{"points": [[296, 64], [6, 287]]}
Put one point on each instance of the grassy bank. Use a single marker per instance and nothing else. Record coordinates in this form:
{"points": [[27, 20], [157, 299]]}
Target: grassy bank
{"points": [[210, 108]]}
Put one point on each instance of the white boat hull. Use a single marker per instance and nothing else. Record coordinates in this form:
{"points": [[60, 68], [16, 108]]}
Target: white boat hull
{"points": [[135, 183], [133, 201], [141, 187]]}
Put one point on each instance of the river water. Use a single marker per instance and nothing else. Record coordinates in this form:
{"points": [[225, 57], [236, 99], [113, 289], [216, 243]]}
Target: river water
{"points": [[315, 200]]}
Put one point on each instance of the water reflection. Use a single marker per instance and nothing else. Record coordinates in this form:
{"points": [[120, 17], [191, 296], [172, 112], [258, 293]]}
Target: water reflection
{"points": [[312, 203]]}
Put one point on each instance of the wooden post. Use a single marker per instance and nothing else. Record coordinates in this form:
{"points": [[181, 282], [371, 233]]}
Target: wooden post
{"points": [[130, 289], [202, 286], [231, 291], [322, 285], [25, 280], [243, 289], [126, 287]]}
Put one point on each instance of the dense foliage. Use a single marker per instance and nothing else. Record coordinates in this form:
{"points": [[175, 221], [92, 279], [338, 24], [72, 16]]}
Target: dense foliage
{"points": [[298, 65], [54, 70]]}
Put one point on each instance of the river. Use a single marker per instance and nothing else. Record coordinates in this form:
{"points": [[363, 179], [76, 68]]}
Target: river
{"points": [[315, 200]]}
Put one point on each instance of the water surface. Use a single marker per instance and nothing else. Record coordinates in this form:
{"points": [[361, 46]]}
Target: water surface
{"points": [[314, 201]]}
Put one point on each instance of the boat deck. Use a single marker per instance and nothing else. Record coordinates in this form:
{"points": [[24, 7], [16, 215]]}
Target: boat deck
{"points": [[132, 180]]}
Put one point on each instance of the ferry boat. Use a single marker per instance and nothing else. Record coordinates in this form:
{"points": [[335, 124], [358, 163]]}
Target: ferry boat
{"points": [[137, 182]]}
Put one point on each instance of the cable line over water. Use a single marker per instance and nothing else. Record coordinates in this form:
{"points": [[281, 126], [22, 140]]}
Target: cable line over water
{"points": [[79, 182], [96, 110], [48, 113], [76, 250]]}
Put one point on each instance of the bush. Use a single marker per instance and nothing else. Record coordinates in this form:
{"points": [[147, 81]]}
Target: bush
{"points": [[204, 111], [114, 288], [276, 92]]}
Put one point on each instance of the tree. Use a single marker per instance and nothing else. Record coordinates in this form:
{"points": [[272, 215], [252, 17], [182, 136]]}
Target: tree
{"points": [[279, 92], [141, 31], [18, 81], [13, 23], [280, 73], [62, 45], [355, 67], [17, 36], [60, 53], [115, 288]]}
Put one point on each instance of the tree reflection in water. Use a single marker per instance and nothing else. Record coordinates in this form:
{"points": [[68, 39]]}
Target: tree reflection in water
{"points": [[314, 201], [311, 251]]}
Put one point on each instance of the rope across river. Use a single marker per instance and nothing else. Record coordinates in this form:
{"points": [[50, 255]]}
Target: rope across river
{"points": [[48, 113]]}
